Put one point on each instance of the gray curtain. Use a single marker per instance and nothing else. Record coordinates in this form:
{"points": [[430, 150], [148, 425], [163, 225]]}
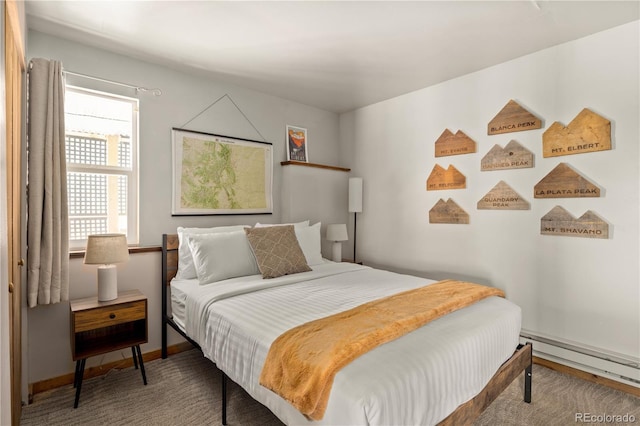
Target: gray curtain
{"points": [[48, 220]]}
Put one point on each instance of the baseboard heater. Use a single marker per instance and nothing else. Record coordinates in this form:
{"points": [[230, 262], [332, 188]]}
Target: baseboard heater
{"points": [[613, 366]]}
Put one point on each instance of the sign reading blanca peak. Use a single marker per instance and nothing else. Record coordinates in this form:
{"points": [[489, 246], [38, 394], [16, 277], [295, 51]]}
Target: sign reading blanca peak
{"points": [[513, 118]]}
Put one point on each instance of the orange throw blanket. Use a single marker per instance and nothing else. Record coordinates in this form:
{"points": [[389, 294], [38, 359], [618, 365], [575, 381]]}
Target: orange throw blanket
{"points": [[303, 361]]}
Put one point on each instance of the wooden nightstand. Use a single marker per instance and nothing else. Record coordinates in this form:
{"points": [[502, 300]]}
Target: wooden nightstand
{"points": [[101, 327]]}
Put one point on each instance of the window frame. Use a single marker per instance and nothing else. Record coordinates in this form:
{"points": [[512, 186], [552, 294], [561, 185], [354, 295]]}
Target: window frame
{"points": [[131, 173]]}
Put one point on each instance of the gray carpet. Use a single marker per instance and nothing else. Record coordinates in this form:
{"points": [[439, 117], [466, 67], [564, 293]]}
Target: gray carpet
{"points": [[185, 390]]}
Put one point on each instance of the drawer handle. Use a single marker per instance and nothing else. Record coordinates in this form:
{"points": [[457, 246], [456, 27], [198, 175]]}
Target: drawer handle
{"points": [[112, 316]]}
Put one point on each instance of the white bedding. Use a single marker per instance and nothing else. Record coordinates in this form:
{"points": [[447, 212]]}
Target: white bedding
{"points": [[419, 378]]}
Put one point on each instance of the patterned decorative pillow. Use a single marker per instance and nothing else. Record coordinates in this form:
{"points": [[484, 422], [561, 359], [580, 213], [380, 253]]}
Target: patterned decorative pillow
{"points": [[277, 251]]}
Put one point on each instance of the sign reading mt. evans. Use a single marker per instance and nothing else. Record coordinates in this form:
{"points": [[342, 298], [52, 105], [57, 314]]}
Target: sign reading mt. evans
{"points": [[450, 144]]}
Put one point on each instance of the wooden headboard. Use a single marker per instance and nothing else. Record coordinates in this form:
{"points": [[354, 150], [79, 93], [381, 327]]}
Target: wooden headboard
{"points": [[169, 257], [169, 270]]}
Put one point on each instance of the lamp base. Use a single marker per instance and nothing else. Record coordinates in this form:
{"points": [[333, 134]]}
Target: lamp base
{"points": [[337, 251], [107, 283]]}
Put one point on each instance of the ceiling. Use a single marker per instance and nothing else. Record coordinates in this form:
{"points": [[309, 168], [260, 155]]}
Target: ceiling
{"points": [[335, 55]]}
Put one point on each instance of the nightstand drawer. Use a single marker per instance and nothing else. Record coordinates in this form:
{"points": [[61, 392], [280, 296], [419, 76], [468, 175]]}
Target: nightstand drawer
{"points": [[106, 316]]}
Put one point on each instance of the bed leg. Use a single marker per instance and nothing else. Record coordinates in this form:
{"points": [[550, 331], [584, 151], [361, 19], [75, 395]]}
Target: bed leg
{"points": [[224, 399], [165, 295], [164, 338], [527, 377]]}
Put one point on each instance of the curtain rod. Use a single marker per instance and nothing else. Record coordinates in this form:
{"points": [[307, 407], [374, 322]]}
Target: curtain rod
{"points": [[155, 91]]}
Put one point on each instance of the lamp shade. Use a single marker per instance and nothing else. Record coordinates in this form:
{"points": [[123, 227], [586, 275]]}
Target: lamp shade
{"points": [[106, 249], [337, 232], [355, 195]]}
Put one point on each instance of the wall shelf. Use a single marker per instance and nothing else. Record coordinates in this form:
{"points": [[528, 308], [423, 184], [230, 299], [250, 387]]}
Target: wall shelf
{"points": [[319, 166]]}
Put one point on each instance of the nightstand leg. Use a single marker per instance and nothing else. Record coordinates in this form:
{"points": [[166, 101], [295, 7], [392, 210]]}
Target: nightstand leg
{"points": [[135, 357], [75, 377], [144, 376], [80, 375]]}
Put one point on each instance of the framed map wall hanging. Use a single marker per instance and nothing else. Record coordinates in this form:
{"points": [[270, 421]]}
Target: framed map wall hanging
{"points": [[215, 174]]}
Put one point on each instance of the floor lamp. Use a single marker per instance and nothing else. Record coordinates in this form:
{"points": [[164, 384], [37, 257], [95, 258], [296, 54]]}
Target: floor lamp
{"points": [[355, 206]]}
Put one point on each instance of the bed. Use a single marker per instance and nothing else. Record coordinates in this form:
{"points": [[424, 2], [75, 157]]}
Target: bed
{"points": [[445, 372]]}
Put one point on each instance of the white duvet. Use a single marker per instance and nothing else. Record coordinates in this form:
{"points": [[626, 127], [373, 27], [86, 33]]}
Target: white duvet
{"points": [[419, 378]]}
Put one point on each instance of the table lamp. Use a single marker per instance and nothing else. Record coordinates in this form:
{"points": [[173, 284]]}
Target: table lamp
{"points": [[337, 233], [105, 250]]}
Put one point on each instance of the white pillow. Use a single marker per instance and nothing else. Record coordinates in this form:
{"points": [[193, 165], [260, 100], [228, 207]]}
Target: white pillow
{"points": [[296, 225], [309, 240], [186, 269], [221, 256]]}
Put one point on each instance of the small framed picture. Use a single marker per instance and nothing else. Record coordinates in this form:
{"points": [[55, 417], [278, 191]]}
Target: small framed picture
{"points": [[296, 144]]}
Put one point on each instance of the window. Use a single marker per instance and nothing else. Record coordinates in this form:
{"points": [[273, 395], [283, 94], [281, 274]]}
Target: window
{"points": [[102, 164]]}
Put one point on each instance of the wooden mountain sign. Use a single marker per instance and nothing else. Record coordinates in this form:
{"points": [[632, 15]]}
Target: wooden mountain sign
{"points": [[450, 144], [503, 197], [448, 212], [587, 132], [560, 222], [564, 182], [513, 118], [512, 156], [445, 179]]}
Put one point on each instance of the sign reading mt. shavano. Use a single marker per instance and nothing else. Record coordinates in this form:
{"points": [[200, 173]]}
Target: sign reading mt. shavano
{"points": [[564, 182], [560, 222], [588, 132], [512, 156], [450, 144], [503, 197], [513, 118]]}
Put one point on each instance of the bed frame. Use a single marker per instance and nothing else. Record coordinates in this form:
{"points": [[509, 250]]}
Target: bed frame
{"points": [[520, 361]]}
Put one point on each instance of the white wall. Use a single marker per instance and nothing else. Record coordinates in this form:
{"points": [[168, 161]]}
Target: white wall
{"points": [[183, 97], [572, 289]]}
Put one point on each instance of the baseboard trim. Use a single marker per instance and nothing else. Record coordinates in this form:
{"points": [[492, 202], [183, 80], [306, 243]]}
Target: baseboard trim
{"points": [[586, 376], [67, 379]]}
